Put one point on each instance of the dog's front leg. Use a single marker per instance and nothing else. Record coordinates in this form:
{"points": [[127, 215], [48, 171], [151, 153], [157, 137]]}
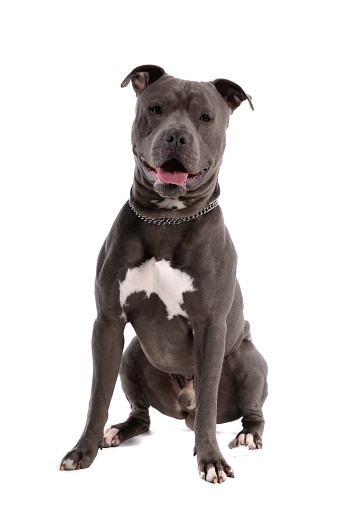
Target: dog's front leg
{"points": [[107, 347], [209, 349]]}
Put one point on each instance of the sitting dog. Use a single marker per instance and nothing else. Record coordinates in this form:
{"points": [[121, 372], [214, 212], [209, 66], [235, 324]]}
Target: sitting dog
{"points": [[168, 266]]}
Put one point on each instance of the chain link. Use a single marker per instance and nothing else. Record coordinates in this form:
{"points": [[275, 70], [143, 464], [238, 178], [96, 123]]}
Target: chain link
{"points": [[170, 221]]}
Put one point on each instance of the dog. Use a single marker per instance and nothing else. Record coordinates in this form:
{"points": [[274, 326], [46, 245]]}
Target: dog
{"points": [[168, 266]]}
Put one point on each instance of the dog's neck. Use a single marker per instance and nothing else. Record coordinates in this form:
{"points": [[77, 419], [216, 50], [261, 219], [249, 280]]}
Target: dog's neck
{"points": [[148, 202]]}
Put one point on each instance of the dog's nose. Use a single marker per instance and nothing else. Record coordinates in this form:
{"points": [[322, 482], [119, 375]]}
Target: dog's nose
{"points": [[175, 137]]}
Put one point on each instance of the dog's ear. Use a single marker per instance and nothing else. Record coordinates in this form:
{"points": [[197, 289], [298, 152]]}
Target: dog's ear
{"points": [[232, 93], [143, 76]]}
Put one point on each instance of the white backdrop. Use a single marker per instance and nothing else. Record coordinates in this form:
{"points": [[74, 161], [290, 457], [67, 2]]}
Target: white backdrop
{"points": [[66, 169]]}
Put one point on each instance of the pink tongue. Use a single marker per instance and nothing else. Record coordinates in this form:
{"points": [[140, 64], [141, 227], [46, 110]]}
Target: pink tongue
{"points": [[173, 177]]}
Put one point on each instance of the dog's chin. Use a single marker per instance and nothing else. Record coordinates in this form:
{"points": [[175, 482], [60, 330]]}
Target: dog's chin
{"points": [[169, 190]]}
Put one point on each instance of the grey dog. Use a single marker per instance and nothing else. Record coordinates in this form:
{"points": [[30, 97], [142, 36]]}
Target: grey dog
{"points": [[168, 266]]}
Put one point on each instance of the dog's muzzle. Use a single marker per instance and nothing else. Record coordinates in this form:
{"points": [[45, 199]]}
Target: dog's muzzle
{"points": [[172, 179]]}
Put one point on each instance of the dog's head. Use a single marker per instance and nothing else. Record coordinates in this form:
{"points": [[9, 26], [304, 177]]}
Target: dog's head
{"points": [[179, 132]]}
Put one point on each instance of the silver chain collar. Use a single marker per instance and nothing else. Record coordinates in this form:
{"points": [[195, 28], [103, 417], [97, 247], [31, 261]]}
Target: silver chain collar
{"points": [[167, 220]]}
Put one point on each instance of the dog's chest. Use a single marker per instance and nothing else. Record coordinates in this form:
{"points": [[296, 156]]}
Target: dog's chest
{"points": [[160, 278]]}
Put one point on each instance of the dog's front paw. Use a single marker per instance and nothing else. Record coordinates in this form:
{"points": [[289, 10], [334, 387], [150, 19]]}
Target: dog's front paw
{"points": [[81, 456], [214, 468]]}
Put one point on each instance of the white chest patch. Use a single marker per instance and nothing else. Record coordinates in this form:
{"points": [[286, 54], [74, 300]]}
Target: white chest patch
{"points": [[157, 276], [169, 203]]}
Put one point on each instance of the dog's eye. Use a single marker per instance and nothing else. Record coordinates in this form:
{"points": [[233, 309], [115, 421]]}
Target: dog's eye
{"points": [[156, 109], [205, 118]]}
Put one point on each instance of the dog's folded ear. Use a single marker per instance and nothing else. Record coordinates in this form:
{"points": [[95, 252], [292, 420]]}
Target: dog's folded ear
{"points": [[143, 76], [232, 93]]}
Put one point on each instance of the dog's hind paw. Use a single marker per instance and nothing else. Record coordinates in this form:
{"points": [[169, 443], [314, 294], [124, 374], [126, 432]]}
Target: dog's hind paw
{"points": [[248, 440], [111, 437]]}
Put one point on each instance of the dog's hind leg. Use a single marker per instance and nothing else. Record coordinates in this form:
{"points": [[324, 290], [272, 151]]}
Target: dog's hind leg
{"points": [[144, 386], [250, 372]]}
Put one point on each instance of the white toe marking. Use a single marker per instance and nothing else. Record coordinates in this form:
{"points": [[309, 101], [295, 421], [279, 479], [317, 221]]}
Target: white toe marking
{"points": [[69, 464], [241, 439], [250, 441], [169, 203], [211, 475], [222, 475], [110, 436], [157, 276]]}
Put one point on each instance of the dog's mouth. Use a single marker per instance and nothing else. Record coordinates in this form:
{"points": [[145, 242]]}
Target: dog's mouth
{"points": [[172, 174]]}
